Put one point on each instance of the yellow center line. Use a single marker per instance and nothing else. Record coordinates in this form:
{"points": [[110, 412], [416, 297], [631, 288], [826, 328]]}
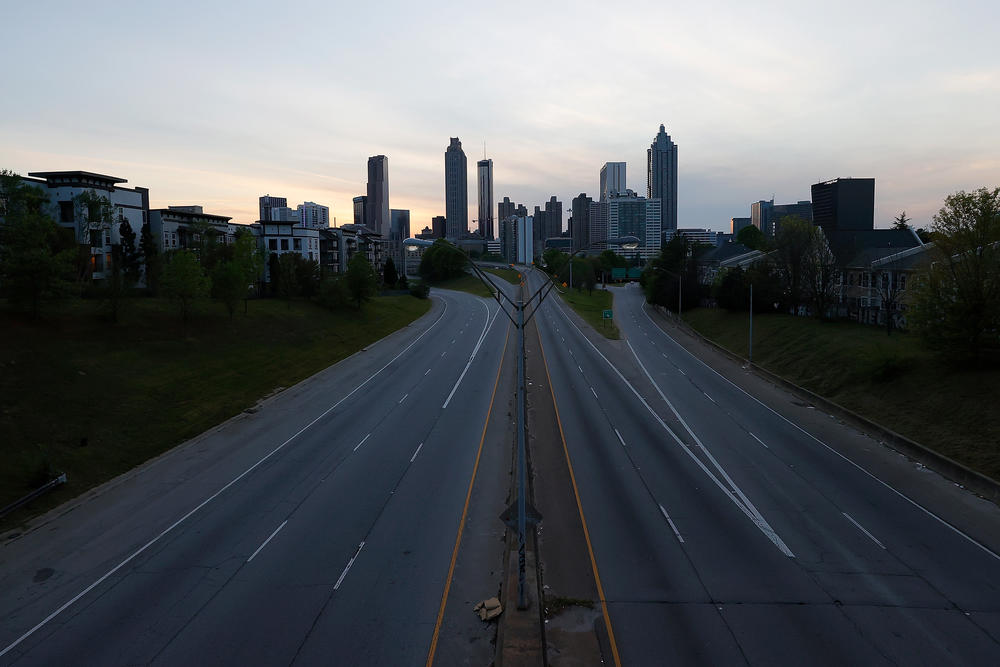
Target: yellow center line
{"points": [[583, 519], [465, 512]]}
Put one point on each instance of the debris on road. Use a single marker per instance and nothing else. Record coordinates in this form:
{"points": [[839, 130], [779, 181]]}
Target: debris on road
{"points": [[488, 609]]}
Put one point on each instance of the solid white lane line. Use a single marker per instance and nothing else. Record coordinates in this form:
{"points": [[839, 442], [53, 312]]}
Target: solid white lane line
{"points": [[682, 372], [427, 371], [749, 506], [831, 449], [414, 457], [267, 540], [215, 495], [754, 516], [348, 566], [758, 440], [862, 529], [486, 327], [362, 442], [402, 399], [620, 438], [594, 393], [671, 522], [709, 397]]}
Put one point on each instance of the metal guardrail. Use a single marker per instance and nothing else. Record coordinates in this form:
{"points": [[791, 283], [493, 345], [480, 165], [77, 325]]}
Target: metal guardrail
{"points": [[45, 488]]}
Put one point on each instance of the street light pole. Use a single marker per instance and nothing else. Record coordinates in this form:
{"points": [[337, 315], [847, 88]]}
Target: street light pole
{"points": [[750, 353]]}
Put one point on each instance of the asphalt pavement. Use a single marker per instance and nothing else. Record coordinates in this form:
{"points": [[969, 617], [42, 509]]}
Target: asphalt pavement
{"points": [[725, 533], [320, 529]]}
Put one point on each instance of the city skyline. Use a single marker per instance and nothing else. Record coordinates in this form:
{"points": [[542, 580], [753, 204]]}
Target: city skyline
{"points": [[905, 97]]}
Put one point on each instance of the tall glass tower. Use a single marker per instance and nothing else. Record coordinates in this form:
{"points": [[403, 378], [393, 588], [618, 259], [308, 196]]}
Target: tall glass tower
{"points": [[661, 162], [456, 190], [485, 171]]}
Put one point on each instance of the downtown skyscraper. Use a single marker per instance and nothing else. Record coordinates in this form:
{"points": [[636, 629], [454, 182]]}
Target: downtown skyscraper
{"points": [[612, 180], [485, 172], [456, 190], [377, 204], [661, 172]]}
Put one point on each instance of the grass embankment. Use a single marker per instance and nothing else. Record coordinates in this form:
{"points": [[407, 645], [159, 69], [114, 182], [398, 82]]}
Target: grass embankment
{"points": [[465, 283], [591, 307], [892, 380], [510, 275], [137, 388]]}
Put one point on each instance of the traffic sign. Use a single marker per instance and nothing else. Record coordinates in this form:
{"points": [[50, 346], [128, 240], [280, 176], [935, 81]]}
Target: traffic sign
{"points": [[607, 314]]}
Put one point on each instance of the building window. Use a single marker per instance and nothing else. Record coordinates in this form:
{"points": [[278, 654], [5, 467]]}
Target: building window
{"points": [[902, 282], [272, 244], [107, 238], [284, 244], [66, 213], [297, 244]]}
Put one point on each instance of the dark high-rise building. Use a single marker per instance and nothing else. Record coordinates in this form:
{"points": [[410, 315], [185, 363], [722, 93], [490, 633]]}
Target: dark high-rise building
{"points": [[505, 209], [267, 202], [439, 225], [521, 211], [580, 221], [377, 206], [360, 210], [539, 225], [456, 190], [484, 169], [844, 203], [553, 218], [598, 219], [661, 171]]}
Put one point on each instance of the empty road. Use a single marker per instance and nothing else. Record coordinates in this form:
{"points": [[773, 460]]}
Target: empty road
{"points": [[724, 533]]}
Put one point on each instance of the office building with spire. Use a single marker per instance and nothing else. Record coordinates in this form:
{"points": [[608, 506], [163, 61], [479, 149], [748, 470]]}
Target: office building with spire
{"points": [[485, 171], [456, 190], [661, 171]]}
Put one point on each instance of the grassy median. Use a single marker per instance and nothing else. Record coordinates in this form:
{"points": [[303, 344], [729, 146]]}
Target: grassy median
{"points": [[94, 399], [510, 275], [465, 283], [892, 380], [591, 308]]}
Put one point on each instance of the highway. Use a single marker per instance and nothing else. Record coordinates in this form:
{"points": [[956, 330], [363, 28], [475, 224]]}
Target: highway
{"points": [[320, 529], [723, 533]]}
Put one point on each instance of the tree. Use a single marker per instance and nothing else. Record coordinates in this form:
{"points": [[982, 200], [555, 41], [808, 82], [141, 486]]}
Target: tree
{"points": [[442, 261], [251, 261], [34, 264], [554, 261], [389, 276], [901, 222], [306, 276], [229, 284], [672, 275], [130, 259], [150, 258], [819, 273], [794, 238], [95, 216], [956, 307], [589, 276], [183, 281], [288, 276], [333, 292], [362, 283], [752, 238], [274, 273]]}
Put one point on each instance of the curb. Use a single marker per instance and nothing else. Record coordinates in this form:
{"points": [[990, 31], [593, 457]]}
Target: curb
{"points": [[984, 486]]}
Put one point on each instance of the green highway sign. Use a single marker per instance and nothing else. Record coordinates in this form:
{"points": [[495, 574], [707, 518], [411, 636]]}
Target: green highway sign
{"points": [[607, 314]]}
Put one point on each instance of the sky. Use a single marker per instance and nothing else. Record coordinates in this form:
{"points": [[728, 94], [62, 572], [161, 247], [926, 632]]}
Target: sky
{"points": [[218, 103]]}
